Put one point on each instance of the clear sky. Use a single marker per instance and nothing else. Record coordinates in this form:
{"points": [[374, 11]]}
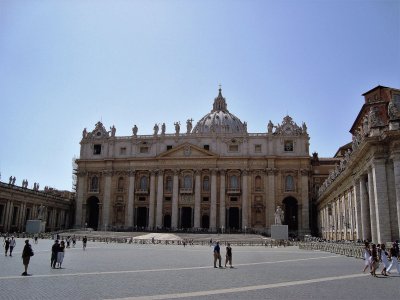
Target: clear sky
{"points": [[64, 65]]}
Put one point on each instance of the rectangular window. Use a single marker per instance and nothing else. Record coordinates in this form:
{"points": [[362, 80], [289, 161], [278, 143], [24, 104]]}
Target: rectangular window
{"points": [[206, 147], [289, 146], [167, 199], [205, 199], [144, 149], [122, 151], [234, 199], [169, 147], [142, 198], [97, 149], [233, 148], [257, 148]]}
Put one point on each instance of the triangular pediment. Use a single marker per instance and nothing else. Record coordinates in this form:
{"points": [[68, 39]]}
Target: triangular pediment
{"points": [[187, 151]]}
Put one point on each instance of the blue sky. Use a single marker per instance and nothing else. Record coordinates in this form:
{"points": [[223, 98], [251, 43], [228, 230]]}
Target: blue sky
{"points": [[64, 65]]}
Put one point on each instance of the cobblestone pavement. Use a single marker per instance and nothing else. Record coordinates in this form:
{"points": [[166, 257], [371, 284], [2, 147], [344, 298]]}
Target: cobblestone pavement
{"points": [[133, 271]]}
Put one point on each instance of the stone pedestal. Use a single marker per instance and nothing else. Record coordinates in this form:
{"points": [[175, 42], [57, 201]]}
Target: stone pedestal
{"points": [[35, 226], [279, 232]]}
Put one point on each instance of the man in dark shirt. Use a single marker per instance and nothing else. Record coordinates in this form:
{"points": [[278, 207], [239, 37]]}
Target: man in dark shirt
{"points": [[217, 255], [54, 253]]}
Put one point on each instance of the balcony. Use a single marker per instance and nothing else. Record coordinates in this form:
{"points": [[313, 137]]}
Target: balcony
{"points": [[186, 191], [142, 192], [233, 191], [94, 190]]}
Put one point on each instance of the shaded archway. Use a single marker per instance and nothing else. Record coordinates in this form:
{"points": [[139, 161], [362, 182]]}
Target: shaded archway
{"points": [[205, 221], [234, 218], [92, 212], [186, 217], [141, 217], [167, 221], [291, 209]]}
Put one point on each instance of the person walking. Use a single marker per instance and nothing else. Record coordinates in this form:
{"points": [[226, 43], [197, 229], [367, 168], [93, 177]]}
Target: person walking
{"points": [[366, 256], [6, 245], [73, 241], [217, 255], [60, 254], [13, 243], [27, 252], [374, 260], [84, 242], [384, 259], [394, 263], [54, 253], [228, 258]]}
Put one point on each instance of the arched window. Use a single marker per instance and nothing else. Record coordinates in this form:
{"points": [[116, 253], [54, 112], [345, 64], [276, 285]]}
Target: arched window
{"points": [[206, 184], [289, 183], [168, 184], [233, 182], [258, 183], [143, 183], [120, 184], [94, 184], [187, 182]]}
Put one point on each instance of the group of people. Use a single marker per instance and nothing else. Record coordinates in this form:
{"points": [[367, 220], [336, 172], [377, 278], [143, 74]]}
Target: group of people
{"points": [[376, 254], [9, 245], [57, 254], [217, 255]]}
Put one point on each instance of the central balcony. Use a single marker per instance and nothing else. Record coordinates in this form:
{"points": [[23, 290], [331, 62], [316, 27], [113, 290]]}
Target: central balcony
{"points": [[233, 191]]}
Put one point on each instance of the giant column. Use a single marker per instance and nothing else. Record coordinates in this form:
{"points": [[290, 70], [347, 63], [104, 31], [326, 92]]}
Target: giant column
{"points": [[79, 198], [357, 204], [213, 208], [160, 189], [384, 233], [152, 199], [245, 199], [131, 196], [106, 198], [372, 207], [222, 208], [305, 202], [270, 196], [365, 218], [175, 193], [197, 199], [396, 166]]}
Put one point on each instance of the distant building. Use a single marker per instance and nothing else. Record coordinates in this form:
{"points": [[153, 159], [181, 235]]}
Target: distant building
{"points": [[20, 203], [361, 197], [214, 176]]}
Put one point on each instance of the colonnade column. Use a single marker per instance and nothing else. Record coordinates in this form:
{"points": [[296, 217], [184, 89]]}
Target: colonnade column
{"points": [[213, 208], [79, 198], [175, 193], [372, 207], [396, 166], [357, 204], [383, 228], [245, 200], [270, 191], [131, 196], [152, 199], [305, 217], [222, 199], [160, 196], [365, 219], [197, 198], [106, 198]]}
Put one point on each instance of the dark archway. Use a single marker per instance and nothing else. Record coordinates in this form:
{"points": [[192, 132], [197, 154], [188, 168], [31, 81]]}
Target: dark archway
{"points": [[234, 218], [167, 221], [205, 221], [92, 212], [141, 217], [186, 217], [291, 213]]}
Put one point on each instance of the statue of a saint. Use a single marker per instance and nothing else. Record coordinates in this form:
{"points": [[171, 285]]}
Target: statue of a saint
{"points": [[304, 127], [177, 127], [155, 128], [279, 216], [84, 133], [134, 130], [41, 212], [189, 125], [270, 126], [113, 131], [163, 128]]}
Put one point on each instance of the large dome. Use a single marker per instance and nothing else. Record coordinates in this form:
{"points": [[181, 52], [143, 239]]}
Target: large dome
{"points": [[220, 120]]}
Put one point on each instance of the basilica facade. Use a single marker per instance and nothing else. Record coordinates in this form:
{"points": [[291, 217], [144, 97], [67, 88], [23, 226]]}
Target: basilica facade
{"points": [[213, 176]]}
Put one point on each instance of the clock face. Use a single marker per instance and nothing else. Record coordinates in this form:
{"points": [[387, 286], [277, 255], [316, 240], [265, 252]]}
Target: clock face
{"points": [[98, 133]]}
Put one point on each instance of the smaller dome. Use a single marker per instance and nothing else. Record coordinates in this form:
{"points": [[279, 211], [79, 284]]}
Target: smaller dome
{"points": [[220, 120]]}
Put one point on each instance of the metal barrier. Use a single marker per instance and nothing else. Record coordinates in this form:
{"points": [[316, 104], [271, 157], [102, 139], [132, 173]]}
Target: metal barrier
{"points": [[353, 250]]}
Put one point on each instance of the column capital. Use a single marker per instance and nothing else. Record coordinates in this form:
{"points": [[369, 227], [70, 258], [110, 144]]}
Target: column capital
{"points": [[176, 172], [395, 156], [272, 171], [214, 171], [245, 172], [131, 173], [81, 173], [304, 172], [222, 172], [160, 172], [153, 172], [107, 172], [197, 172]]}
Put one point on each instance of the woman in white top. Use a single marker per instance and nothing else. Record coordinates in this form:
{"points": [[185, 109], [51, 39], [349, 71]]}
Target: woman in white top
{"points": [[394, 263], [384, 259], [367, 256]]}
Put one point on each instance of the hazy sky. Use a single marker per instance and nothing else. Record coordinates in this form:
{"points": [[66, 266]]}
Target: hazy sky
{"points": [[64, 65]]}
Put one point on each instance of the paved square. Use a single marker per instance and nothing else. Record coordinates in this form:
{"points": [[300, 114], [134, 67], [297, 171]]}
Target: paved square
{"points": [[135, 271]]}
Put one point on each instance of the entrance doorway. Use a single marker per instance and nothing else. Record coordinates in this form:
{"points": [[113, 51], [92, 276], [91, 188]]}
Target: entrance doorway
{"points": [[186, 217], [92, 212], [167, 221], [205, 221], [141, 217], [234, 218], [291, 209]]}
